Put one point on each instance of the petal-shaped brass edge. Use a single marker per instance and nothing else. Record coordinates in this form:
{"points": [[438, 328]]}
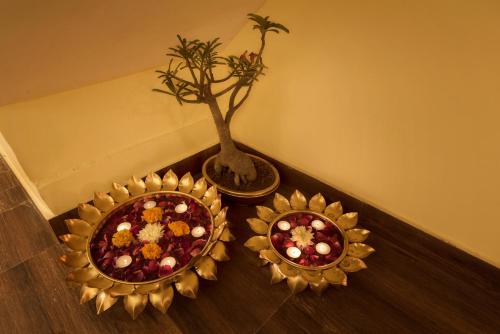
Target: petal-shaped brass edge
{"points": [[103, 201], [348, 220], [79, 227], [75, 259], [89, 213], [218, 252], [82, 275], [216, 206], [87, 293], [313, 276], [187, 285], [281, 203], [162, 299], [334, 211], [119, 192], [218, 232], [265, 213], [135, 304], [276, 274], [335, 276], [136, 186], [357, 234], [210, 195], [298, 201], [73, 241], [144, 289], [359, 250], [258, 225], [226, 235], [318, 288], [100, 282], [317, 203], [257, 243], [120, 289], [221, 217], [199, 188], [296, 283], [269, 255], [170, 180], [186, 183], [352, 264], [206, 268], [288, 270], [153, 182], [104, 301]]}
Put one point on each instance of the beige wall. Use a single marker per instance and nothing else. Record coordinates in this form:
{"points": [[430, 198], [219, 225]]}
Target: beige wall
{"points": [[396, 102], [56, 45], [73, 143]]}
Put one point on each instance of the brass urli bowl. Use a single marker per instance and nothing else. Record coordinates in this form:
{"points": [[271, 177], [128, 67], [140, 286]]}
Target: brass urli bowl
{"points": [[171, 276]]}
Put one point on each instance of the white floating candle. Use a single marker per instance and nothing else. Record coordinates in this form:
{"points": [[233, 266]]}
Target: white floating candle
{"points": [[318, 224], [283, 225], [198, 231], [123, 261], [149, 204], [181, 208], [323, 248], [293, 252], [124, 226], [168, 261]]}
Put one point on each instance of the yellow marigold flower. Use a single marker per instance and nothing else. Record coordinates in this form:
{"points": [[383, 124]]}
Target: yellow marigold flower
{"points": [[122, 238], [152, 215], [179, 228], [151, 251]]}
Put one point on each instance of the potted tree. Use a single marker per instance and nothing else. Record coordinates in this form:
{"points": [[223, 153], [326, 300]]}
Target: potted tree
{"points": [[191, 78]]}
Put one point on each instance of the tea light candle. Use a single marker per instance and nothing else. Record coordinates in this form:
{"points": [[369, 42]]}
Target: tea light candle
{"points": [[168, 261], [124, 226], [123, 261], [149, 204], [198, 231], [293, 252], [318, 224], [181, 208], [283, 225], [323, 248]]}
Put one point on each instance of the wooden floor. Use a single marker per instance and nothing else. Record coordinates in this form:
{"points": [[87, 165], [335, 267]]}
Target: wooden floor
{"points": [[414, 283]]}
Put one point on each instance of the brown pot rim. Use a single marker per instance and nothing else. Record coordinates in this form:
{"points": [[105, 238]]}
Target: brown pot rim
{"points": [[244, 194]]}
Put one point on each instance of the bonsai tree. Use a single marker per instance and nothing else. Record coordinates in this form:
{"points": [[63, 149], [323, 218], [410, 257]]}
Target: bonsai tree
{"points": [[190, 79]]}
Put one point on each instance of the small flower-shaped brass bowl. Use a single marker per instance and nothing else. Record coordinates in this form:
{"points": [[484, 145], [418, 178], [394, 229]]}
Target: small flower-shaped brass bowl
{"points": [[107, 286], [308, 243]]}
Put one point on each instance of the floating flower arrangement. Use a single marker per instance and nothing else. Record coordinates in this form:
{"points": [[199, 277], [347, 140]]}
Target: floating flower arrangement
{"points": [[307, 242], [307, 239], [151, 237], [144, 239]]}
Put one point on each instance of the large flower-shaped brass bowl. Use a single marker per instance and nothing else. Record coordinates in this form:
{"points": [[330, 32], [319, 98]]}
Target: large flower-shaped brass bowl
{"points": [[308, 243], [96, 273]]}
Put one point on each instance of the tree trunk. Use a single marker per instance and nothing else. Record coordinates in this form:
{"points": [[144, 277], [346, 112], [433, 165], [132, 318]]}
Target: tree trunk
{"points": [[229, 156]]}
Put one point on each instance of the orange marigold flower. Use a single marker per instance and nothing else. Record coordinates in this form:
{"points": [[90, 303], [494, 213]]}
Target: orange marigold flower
{"points": [[152, 215], [179, 228], [122, 238], [151, 251]]}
